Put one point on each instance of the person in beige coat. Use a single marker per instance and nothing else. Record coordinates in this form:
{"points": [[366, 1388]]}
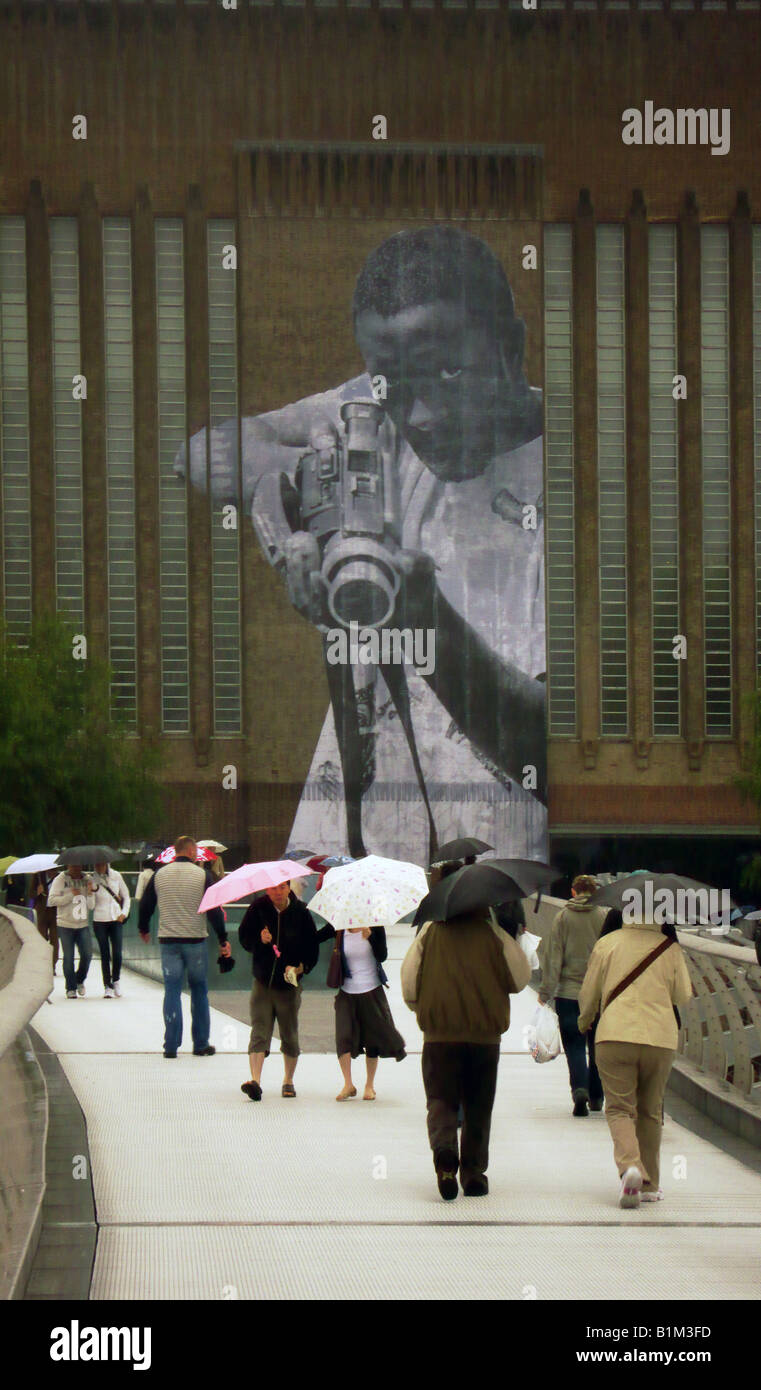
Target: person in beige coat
{"points": [[635, 1043]]}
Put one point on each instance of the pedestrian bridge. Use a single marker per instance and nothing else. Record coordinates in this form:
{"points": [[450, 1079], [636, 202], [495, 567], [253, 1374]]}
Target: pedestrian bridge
{"points": [[201, 1194]]}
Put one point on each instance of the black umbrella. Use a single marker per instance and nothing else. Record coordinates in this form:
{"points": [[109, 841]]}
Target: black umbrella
{"points": [[460, 849], [481, 885], [87, 854], [676, 898]]}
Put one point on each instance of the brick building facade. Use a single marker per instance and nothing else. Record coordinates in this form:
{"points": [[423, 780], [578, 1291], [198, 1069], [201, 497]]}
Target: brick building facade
{"points": [[255, 124]]}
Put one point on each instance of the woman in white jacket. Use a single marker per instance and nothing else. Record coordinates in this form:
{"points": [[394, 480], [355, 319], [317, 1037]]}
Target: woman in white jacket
{"points": [[72, 894], [112, 903]]}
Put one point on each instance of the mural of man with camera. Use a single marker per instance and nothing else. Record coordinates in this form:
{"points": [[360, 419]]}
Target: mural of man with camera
{"points": [[411, 497]]}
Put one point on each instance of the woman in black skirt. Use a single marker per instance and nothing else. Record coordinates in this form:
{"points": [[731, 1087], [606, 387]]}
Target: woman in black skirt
{"points": [[363, 1017]]}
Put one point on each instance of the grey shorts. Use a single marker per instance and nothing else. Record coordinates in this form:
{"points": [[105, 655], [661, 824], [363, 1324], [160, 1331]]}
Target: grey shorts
{"points": [[267, 1005]]}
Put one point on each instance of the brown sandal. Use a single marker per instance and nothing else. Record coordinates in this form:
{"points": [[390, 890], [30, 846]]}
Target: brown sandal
{"points": [[288, 1092], [347, 1095]]}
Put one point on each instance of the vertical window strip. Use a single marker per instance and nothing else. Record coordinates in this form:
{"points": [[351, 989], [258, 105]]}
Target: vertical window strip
{"points": [[664, 478], [173, 520], [67, 419], [559, 499], [715, 450], [14, 429], [611, 455], [757, 427], [223, 411], [120, 467]]}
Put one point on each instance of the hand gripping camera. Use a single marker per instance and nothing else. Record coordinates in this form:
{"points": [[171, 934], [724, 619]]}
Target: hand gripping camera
{"points": [[345, 506]]}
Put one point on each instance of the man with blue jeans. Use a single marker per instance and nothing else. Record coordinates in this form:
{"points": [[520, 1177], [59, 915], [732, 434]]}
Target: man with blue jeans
{"points": [[177, 889], [73, 895], [564, 955]]}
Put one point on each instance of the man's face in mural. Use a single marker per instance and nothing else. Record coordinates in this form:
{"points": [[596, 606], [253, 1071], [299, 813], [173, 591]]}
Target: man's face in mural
{"points": [[452, 390]]}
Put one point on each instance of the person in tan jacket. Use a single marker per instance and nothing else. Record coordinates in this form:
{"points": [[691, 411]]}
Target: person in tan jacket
{"points": [[636, 1039], [563, 956], [457, 977]]}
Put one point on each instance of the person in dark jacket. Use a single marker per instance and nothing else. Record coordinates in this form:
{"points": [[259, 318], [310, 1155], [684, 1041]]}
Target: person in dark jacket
{"points": [[363, 1017], [46, 916], [281, 935]]}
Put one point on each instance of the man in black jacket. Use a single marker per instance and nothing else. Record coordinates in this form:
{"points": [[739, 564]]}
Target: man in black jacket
{"points": [[282, 938]]}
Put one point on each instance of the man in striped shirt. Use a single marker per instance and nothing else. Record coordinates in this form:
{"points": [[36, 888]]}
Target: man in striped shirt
{"points": [[177, 889]]}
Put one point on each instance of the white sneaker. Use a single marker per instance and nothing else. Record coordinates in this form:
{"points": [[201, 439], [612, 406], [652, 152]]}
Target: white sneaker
{"points": [[81, 991], [631, 1188], [653, 1194], [108, 994], [117, 989]]}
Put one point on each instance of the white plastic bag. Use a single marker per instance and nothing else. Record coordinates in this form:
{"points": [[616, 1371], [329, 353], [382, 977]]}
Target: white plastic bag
{"points": [[528, 944], [543, 1034]]}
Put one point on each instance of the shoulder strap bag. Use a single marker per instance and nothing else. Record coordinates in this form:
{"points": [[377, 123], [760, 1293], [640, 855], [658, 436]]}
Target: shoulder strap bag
{"points": [[637, 971]]}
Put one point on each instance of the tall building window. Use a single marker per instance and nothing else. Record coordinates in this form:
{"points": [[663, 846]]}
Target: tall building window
{"points": [[67, 419], [559, 505], [120, 466], [223, 410], [611, 459], [757, 425], [14, 429], [717, 608], [664, 477], [173, 518]]}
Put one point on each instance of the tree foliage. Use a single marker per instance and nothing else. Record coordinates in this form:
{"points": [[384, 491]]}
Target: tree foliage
{"points": [[70, 772]]}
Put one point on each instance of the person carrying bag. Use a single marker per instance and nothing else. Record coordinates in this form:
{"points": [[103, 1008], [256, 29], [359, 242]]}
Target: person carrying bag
{"points": [[363, 1018], [635, 979]]}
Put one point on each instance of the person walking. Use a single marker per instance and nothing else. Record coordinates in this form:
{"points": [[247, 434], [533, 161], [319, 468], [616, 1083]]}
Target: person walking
{"points": [[563, 957], [636, 978], [45, 915], [280, 933], [363, 1017], [112, 904], [144, 878], [457, 977], [177, 889], [72, 894]]}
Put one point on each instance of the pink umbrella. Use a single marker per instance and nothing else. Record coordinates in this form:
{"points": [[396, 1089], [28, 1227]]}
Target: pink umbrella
{"points": [[204, 856], [250, 878]]}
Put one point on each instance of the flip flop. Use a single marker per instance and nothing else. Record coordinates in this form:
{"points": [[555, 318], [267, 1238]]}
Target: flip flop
{"points": [[349, 1094], [288, 1091], [369, 1097]]}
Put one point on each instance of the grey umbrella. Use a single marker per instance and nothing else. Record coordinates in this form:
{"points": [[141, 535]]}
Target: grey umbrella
{"points": [[87, 854], [673, 897], [487, 884]]}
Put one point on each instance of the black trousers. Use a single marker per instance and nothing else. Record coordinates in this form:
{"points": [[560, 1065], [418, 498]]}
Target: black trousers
{"points": [[454, 1075], [109, 938], [582, 1074]]}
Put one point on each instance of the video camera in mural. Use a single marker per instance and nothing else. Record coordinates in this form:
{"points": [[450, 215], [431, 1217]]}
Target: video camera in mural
{"points": [[341, 561]]}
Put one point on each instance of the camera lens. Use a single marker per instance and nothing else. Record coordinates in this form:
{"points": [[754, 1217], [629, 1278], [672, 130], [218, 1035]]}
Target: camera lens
{"points": [[361, 593]]}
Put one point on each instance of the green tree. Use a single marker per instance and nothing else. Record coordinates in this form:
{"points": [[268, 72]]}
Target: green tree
{"points": [[70, 772]]}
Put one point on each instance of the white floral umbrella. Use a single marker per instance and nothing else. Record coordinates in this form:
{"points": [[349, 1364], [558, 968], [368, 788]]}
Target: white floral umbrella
{"points": [[371, 892]]}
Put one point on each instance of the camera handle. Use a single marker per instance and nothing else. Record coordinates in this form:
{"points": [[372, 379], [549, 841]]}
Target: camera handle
{"points": [[343, 698], [396, 680]]}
